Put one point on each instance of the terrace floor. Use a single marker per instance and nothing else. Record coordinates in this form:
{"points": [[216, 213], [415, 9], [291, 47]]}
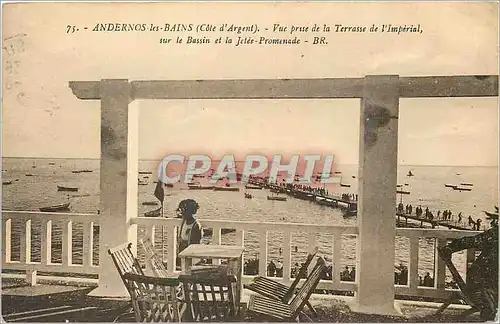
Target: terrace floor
{"points": [[70, 303]]}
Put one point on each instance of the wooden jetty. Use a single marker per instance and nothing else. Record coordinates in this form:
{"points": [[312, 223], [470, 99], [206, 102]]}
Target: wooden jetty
{"points": [[351, 206], [434, 223]]}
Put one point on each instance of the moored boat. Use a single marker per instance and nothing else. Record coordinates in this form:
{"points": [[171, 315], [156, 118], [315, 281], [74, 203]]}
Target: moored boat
{"points": [[349, 213], [457, 188], [66, 188], [345, 185], [277, 198], [56, 208], [6, 182], [248, 196], [150, 203], [226, 189], [200, 187], [29, 174], [447, 185], [251, 186], [153, 213], [467, 184], [52, 163], [145, 172]]}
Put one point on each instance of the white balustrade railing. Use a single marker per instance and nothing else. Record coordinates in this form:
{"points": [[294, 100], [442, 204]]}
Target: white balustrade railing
{"points": [[412, 288], [86, 223]]}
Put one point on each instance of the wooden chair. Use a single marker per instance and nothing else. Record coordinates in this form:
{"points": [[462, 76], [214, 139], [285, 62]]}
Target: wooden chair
{"points": [[279, 310], [209, 295], [275, 290], [153, 259], [125, 262], [152, 298]]}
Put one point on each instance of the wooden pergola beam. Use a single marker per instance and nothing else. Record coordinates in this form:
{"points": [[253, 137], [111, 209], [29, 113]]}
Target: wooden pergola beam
{"points": [[328, 88]]}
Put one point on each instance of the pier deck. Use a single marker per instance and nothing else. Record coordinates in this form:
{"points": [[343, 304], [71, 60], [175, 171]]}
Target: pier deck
{"points": [[352, 205]]}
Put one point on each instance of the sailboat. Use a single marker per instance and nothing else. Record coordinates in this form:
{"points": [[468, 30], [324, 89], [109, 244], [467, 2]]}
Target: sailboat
{"points": [[410, 174]]}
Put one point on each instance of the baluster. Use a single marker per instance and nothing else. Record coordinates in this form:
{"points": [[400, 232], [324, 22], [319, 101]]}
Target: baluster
{"points": [[336, 266], [217, 240], [440, 274], [287, 255], [30, 274], [22, 244], [46, 243], [171, 248], [263, 253], [28, 241], [240, 240], [67, 243], [150, 233], [413, 268], [311, 245], [88, 244], [6, 240]]}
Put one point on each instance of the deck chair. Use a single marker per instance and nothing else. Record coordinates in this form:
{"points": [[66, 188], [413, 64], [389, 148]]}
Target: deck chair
{"points": [[209, 295], [275, 290], [279, 310], [153, 259], [473, 299], [125, 262], [152, 298]]}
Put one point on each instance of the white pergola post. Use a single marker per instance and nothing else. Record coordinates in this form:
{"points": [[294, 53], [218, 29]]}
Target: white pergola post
{"points": [[118, 180], [378, 145]]}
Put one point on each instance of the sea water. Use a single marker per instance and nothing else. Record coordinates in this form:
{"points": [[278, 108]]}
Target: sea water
{"points": [[426, 187]]}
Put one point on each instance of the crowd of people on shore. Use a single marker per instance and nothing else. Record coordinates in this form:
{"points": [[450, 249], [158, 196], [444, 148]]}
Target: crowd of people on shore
{"points": [[441, 216], [275, 269]]}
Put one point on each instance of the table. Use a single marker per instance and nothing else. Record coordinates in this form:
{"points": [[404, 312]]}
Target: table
{"points": [[232, 253]]}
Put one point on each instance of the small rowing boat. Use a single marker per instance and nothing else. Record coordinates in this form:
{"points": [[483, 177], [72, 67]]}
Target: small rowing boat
{"points": [[56, 208], [150, 203], [200, 187], [153, 213], [277, 198], [145, 172], [66, 188], [467, 184], [251, 186], [349, 213], [6, 182], [462, 189], [226, 189], [345, 185], [450, 185]]}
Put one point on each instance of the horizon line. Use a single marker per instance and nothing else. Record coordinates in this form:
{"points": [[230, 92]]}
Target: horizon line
{"points": [[148, 159]]}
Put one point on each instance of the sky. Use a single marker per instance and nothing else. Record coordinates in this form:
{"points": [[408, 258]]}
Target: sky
{"points": [[42, 118]]}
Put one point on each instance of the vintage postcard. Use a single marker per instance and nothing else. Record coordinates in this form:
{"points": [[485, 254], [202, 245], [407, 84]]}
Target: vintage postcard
{"points": [[251, 162]]}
